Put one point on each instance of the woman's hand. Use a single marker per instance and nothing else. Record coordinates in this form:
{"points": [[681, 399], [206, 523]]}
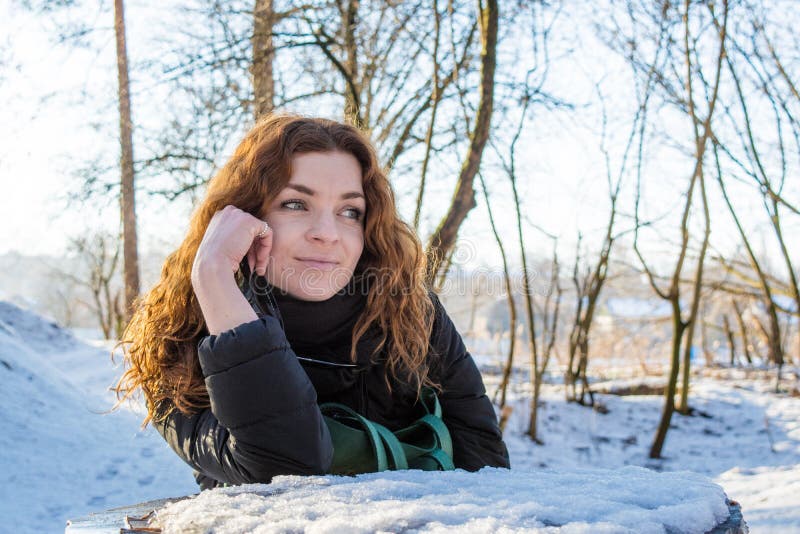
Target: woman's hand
{"points": [[231, 234]]}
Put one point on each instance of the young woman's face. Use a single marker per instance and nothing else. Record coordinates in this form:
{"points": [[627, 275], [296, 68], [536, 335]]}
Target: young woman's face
{"points": [[318, 226]]}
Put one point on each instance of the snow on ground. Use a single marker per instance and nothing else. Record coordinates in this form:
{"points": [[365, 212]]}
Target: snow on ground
{"points": [[769, 496], [743, 437], [63, 455]]}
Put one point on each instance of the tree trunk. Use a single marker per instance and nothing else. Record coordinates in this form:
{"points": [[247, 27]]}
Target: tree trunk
{"points": [[127, 196], [774, 340], [774, 217], [696, 296], [352, 99], [444, 238], [531, 320], [512, 313], [435, 97], [731, 341], [742, 332], [263, 57], [669, 394], [571, 372], [774, 333], [582, 366], [686, 370], [708, 355], [512, 309]]}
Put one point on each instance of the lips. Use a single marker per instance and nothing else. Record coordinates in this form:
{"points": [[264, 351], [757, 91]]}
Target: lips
{"points": [[323, 264]]}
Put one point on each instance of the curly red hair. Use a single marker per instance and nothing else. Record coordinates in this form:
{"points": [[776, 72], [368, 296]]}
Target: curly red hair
{"points": [[160, 342]]}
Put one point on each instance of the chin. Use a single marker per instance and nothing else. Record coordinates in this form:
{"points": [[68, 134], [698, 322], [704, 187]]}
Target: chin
{"points": [[315, 285], [313, 294]]}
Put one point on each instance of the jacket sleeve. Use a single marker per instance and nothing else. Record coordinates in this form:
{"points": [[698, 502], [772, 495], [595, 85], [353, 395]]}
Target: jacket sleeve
{"points": [[264, 419], [466, 410]]}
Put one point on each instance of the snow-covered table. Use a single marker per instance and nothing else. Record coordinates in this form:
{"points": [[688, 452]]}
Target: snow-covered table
{"points": [[631, 499]]}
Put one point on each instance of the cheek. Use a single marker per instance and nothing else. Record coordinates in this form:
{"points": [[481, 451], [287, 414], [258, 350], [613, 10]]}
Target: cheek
{"points": [[355, 246], [284, 235], [281, 251], [278, 245]]}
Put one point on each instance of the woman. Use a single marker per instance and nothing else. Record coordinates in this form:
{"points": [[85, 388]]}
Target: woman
{"points": [[234, 363]]}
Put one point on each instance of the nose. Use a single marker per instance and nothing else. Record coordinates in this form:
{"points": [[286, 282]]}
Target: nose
{"points": [[323, 228]]}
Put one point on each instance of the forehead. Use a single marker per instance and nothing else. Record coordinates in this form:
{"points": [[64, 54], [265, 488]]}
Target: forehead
{"points": [[327, 172]]}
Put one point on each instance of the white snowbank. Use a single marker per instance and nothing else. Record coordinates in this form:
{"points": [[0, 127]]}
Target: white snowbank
{"points": [[630, 499], [41, 334], [60, 454]]}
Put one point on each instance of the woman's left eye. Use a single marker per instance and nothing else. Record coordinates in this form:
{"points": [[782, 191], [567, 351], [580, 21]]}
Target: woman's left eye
{"points": [[353, 213]]}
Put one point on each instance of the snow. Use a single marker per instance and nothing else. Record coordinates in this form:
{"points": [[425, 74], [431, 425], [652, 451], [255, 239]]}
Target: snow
{"points": [[768, 494], [63, 455], [734, 427], [744, 438], [632, 499]]}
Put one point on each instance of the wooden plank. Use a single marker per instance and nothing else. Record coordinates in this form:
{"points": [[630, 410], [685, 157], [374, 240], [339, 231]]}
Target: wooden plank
{"points": [[113, 521]]}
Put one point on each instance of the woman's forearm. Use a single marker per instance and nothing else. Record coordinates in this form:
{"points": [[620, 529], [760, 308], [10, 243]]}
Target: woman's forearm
{"points": [[231, 235], [222, 303]]}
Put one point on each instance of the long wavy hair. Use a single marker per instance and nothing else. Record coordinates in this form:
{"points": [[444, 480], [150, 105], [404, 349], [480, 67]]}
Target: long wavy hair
{"points": [[160, 342]]}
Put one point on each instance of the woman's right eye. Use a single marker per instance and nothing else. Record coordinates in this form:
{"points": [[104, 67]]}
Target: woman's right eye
{"points": [[295, 205]]}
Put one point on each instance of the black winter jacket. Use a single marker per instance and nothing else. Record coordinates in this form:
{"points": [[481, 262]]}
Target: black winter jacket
{"points": [[264, 418]]}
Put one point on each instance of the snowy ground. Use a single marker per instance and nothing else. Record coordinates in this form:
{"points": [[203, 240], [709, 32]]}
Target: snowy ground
{"points": [[62, 455], [743, 437]]}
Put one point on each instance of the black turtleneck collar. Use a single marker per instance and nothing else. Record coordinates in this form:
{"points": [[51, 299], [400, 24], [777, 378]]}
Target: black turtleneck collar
{"points": [[329, 322], [314, 328]]}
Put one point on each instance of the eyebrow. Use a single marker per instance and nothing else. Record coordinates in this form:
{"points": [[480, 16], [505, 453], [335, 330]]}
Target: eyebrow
{"points": [[310, 192]]}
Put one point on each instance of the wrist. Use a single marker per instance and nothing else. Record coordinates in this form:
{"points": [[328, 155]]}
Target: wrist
{"points": [[210, 271], [221, 301]]}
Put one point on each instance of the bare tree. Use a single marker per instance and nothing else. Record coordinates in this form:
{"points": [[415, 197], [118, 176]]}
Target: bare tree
{"points": [[550, 316], [359, 46], [364, 56], [222, 74], [435, 97], [754, 62], [524, 93], [774, 337], [742, 331], [589, 284], [261, 69], [550, 312], [99, 254], [731, 340], [443, 238], [502, 388], [127, 189], [664, 67]]}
